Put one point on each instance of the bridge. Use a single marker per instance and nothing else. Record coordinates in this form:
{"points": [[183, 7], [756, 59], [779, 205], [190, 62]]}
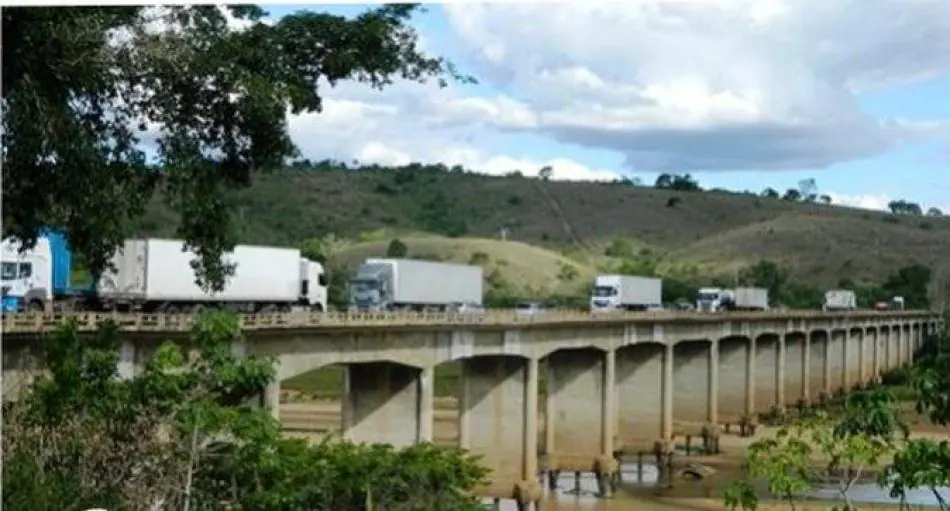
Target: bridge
{"points": [[614, 381]]}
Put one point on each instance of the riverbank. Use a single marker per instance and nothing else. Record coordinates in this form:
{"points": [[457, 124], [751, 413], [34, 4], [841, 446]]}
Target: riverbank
{"points": [[314, 419]]}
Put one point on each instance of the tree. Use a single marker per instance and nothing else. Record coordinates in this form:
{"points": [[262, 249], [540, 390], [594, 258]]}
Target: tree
{"points": [[181, 434], [663, 182], [83, 87], [796, 457], [902, 207], [934, 212], [768, 275], [824, 199], [792, 195], [770, 193], [546, 172], [808, 190], [396, 248]]}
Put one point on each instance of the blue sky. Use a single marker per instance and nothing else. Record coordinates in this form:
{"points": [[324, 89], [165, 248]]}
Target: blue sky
{"points": [[868, 165]]}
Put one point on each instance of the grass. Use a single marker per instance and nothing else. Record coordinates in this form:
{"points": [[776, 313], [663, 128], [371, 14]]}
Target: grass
{"points": [[715, 231]]}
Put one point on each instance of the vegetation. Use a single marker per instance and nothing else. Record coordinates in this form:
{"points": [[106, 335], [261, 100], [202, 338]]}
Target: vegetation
{"points": [[182, 434], [865, 439], [82, 85]]}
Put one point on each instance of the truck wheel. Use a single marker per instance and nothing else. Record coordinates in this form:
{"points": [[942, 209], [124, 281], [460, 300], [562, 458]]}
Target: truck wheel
{"points": [[316, 308]]}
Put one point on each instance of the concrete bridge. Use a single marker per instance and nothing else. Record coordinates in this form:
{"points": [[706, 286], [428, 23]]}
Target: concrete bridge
{"points": [[613, 381]]}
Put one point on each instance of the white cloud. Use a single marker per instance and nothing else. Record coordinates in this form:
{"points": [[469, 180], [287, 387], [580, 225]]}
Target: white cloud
{"points": [[874, 202], [683, 85]]}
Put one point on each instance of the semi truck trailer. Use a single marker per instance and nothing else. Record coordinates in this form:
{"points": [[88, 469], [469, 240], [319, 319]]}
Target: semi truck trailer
{"points": [[711, 299], [409, 284], [626, 292], [155, 275]]}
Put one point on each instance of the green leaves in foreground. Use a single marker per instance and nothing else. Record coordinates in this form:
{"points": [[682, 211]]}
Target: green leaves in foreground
{"points": [[180, 433]]}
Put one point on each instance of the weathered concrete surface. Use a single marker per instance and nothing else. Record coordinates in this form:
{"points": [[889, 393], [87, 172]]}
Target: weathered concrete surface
{"points": [[692, 382], [381, 403], [576, 397], [492, 413], [639, 393], [837, 360], [795, 368], [766, 373], [733, 355], [817, 361]]}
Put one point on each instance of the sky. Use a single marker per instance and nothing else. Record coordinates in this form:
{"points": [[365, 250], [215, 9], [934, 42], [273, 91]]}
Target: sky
{"points": [[742, 94]]}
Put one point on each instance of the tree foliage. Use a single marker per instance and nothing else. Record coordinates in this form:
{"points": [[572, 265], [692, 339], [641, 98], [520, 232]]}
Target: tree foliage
{"points": [[84, 87], [181, 433]]}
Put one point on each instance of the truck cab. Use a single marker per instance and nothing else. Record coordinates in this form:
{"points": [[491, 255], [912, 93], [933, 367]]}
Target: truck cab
{"points": [[313, 285], [711, 299], [369, 288], [26, 278]]}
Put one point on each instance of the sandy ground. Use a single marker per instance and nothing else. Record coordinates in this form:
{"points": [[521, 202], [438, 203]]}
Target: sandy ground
{"points": [[314, 419]]}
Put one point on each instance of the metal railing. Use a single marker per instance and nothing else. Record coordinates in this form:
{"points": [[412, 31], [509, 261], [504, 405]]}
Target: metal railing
{"points": [[26, 323]]}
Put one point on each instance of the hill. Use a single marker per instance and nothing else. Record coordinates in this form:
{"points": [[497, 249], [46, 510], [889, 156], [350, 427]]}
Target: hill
{"points": [[526, 269], [710, 232]]}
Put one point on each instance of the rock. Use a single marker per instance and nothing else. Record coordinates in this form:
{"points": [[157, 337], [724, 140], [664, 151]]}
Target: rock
{"points": [[695, 471]]}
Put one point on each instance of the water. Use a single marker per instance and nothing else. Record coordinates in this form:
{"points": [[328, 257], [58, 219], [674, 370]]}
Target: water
{"points": [[566, 498], [871, 493]]}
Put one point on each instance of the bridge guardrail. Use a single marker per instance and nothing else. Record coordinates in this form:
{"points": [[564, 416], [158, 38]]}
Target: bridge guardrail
{"points": [[26, 323]]}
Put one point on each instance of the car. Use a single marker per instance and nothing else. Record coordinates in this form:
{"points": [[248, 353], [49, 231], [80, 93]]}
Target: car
{"points": [[528, 308]]}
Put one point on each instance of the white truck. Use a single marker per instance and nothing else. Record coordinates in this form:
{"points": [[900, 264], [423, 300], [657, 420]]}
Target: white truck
{"points": [[156, 275], [839, 300], [409, 284], [714, 299], [626, 292]]}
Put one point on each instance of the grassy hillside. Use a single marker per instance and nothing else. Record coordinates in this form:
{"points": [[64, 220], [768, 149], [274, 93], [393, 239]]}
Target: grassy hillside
{"points": [[529, 270], [708, 232]]}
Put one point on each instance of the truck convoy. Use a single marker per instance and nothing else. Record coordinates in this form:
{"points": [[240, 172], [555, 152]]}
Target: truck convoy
{"points": [[155, 275], [839, 300], [409, 284], [626, 292], [714, 299]]}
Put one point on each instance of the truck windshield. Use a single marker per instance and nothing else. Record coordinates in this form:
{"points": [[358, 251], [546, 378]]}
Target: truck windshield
{"points": [[602, 291], [707, 297], [8, 271], [363, 286]]}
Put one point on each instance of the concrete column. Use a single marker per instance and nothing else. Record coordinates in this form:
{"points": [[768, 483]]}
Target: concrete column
{"points": [[712, 391], [898, 344], [272, 399], [550, 411], [529, 454], [381, 403], [666, 427], [878, 356], [639, 390], [493, 418], [826, 381], [862, 357], [581, 400], [806, 367], [780, 372], [426, 406], [126, 366], [609, 418], [694, 364], [750, 378]]}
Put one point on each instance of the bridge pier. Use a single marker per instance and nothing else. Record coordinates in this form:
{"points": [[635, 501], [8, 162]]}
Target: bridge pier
{"points": [[696, 383], [735, 381], [498, 420], [819, 371], [837, 363], [580, 413], [797, 373], [385, 402], [642, 415], [768, 360]]}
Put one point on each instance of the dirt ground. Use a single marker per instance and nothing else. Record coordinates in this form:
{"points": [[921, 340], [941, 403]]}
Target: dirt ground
{"points": [[314, 419]]}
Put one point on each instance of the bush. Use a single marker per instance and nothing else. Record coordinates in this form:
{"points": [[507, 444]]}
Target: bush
{"points": [[181, 432]]}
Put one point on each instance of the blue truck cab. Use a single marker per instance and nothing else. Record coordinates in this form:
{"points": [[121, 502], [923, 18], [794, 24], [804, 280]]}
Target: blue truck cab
{"points": [[33, 280]]}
